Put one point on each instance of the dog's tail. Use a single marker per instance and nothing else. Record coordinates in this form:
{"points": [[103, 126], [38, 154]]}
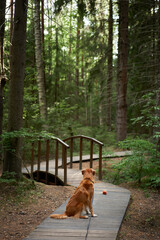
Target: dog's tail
{"points": [[59, 216]]}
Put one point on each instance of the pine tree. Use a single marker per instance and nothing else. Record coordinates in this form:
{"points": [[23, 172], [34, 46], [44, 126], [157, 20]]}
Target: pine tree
{"points": [[40, 62], [13, 161], [122, 78]]}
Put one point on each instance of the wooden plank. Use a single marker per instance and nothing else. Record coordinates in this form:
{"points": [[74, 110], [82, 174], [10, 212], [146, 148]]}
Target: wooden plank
{"points": [[56, 161], [53, 238], [80, 154], [59, 234], [100, 162], [91, 154], [63, 230]]}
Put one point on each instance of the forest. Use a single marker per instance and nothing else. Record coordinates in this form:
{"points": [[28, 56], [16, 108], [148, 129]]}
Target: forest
{"points": [[71, 67]]}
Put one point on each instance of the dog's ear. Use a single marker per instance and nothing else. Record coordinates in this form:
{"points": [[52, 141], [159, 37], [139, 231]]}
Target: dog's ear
{"points": [[94, 172], [83, 171]]}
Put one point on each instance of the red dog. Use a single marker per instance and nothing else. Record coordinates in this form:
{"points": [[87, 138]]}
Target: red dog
{"points": [[81, 198]]}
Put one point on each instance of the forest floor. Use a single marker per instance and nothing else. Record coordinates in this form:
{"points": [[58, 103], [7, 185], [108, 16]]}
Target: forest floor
{"points": [[21, 211]]}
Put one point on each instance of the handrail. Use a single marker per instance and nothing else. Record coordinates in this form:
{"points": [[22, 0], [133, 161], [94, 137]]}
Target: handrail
{"points": [[86, 137], [64, 156], [60, 141], [92, 140], [64, 146]]}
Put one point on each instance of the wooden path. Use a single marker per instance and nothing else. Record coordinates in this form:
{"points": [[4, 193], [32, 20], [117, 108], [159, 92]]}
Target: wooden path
{"points": [[110, 209]]}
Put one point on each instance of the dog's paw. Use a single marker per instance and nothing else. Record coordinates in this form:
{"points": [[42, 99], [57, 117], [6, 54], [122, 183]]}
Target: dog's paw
{"points": [[88, 212], [94, 215]]}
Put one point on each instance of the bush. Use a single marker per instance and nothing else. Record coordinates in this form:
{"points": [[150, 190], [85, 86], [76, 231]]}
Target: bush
{"points": [[142, 166]]}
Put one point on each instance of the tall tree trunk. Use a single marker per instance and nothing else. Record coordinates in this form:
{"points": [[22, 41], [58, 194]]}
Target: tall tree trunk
{"points": [[57, 67], [86, 99], [158, 80], [42, 37], [77, 55], [77, 63], [2, 76], [102, 54], [11, 27], [12, 161], [50, 26], [70, 42], [42, 23], [40, 62], [82, 54], [122, 78], [110, 66], [2, 26]]}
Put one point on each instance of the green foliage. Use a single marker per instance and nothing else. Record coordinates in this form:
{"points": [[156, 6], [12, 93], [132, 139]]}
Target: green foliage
{"points": [[28, 136], [111, 176], [8, 177], [60, 117], [19, 191], [142, 167], [148, 118]]}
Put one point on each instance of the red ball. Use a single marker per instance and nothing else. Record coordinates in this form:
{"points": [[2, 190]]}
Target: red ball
{"points": [[104, 192]]}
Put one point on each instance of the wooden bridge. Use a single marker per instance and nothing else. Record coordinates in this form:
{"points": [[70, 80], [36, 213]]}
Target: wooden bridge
{"points": [[58, 165], [52, 166], [110, 208]]}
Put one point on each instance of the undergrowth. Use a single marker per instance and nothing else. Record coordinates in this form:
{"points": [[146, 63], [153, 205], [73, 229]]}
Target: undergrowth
{"points": [[17, 191], [141, 167]]}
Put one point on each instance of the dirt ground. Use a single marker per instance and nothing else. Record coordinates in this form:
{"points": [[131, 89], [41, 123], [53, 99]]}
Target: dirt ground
{"points": [[19, 218]]}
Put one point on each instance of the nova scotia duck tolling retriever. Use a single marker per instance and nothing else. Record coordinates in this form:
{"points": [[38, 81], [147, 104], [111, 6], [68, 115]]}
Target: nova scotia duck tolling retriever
{"points": [[81, 198]]}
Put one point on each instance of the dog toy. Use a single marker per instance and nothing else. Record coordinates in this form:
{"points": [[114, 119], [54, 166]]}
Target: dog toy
{"points": [[104, 192]]}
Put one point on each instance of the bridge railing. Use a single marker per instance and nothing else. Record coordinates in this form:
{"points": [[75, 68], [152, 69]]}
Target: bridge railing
{"points": [[59, 146], [92, 142]]}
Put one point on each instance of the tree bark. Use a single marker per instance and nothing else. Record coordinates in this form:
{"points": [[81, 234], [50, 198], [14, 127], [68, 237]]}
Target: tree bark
{"points": [[157, 129], [70, 42], [11, 27], [2, 76], [102, 54], [12, 161], [57, 67], [2, 26], [77, 55], [39, 62], [122, 79], [110, 66]]}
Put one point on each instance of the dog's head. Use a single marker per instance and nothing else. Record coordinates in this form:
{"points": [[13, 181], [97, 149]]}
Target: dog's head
{"points": [[88, 173]]}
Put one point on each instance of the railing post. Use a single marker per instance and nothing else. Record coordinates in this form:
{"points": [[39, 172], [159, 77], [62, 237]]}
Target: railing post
{"points": [[39, 158], [32, 159], [64, 159], [71, 152], [91, 154], [80, 157], [100, 162], [47, 160], [56, 162]]}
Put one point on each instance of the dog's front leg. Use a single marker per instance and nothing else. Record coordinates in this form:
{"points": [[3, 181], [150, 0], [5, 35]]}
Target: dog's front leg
{"points": [[88, 210], [91, 207]]}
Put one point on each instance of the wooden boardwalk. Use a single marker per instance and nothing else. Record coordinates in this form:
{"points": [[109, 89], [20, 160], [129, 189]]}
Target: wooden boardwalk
{"points": [[110, 209]]}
